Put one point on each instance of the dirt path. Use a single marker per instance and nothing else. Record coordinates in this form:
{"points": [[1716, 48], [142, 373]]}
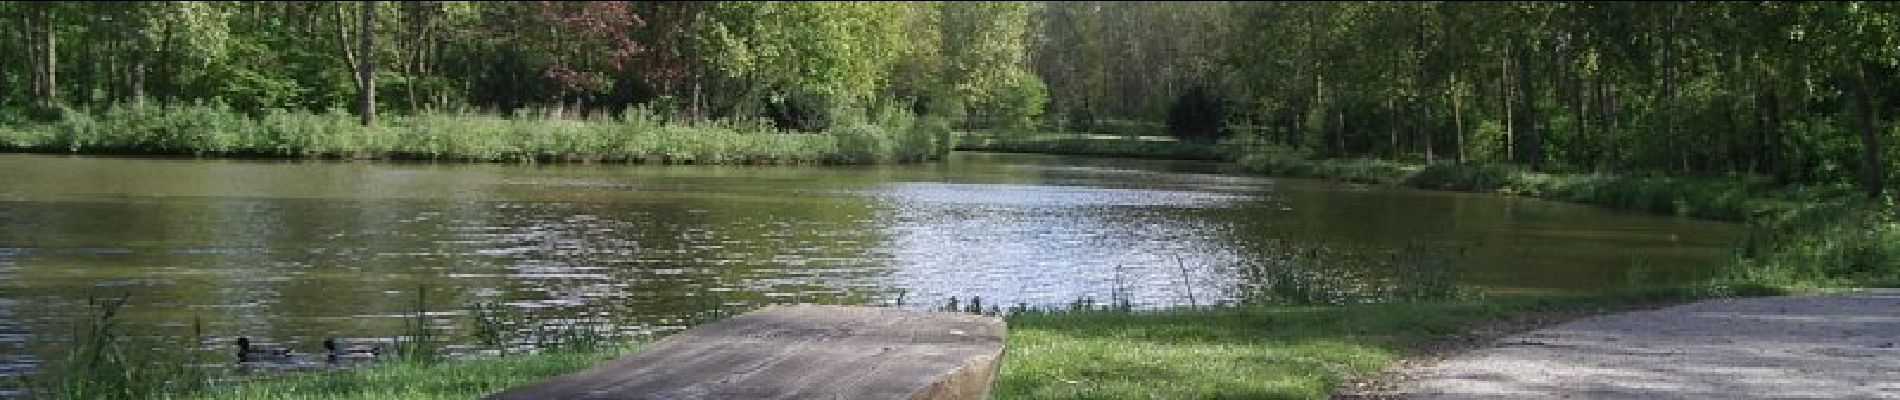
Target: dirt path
{"points": [[1818, 346]]}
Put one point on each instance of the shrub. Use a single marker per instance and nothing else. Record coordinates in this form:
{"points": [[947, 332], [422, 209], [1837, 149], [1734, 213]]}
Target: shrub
{"points": [[1021, 102], [637, 136], [799, 109], [1467, 177]]}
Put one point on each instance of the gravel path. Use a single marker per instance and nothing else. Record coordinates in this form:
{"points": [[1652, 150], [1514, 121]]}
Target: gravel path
{"points": [[1836, 346]]}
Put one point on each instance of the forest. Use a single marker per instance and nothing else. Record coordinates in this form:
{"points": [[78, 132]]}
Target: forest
{"points": [[1791, 91]]}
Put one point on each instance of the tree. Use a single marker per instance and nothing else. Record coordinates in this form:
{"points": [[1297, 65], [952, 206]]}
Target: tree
{"points": [[361, 60], [984, 45], [842, 53], [40, 21]]}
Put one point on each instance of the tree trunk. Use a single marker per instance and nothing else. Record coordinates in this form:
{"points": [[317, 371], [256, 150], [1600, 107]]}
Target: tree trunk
{"points": [[1874, 174], [366, 65], [1424, 133], [163, 64], [1579, 88], [1510, 116], [1458, 121], [51, 33], [1392, 126], [1527, 95], [43, 53], [1422, 113], [85, 70], [135, 72], [1339, 132], [1605, 128], [1669, 92], [112, 76], [29, 31], [1769, 137]]}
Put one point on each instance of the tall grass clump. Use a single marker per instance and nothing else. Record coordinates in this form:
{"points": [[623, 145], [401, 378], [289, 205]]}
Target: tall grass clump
{"points": [[1331, 275], [529, 347], [638, 135], [103, 363]]}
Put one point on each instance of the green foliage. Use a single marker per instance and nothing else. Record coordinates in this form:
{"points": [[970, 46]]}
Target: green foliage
{"points": [[839, 52], [103, 363], [639, 136], [1843, 244], [1019, 105], [1470, 177], [801, 110], [983, 43]]}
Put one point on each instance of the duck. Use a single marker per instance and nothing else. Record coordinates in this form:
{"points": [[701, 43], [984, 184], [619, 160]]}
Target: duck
{"points": [[350, 353], [259, 352]]}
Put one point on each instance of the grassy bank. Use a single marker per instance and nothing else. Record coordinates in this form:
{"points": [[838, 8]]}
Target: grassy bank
{"points": [[1724, 198], [414, 380], [1261, 352], [636, 136], [1089, 145]]}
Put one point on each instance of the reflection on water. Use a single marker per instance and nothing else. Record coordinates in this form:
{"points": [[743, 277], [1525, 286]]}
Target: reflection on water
{"points": [[15, 357], [1049, 245], [294, 253]]}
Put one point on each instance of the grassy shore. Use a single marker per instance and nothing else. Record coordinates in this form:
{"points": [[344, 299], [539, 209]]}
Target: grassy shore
{"points": [[1090, 145], [1263, 352], [637, 136], [416, 380]]}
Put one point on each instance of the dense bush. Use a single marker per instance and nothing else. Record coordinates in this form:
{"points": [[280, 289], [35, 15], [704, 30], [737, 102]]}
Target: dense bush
{"points": [[1198, 114], [1824, 244], [1021, 102], [1079, 120]]}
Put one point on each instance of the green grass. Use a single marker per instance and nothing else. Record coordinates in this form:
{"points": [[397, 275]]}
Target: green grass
{"points": [[1260, 352], [637, 136], [415, 380]]}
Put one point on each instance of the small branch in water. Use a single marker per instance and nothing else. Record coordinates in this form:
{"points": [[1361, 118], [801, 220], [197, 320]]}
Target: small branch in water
{"points": [[1186, 285]]}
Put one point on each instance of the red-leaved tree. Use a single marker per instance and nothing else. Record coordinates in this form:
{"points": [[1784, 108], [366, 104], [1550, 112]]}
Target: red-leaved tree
{"points": [[591, 42]]}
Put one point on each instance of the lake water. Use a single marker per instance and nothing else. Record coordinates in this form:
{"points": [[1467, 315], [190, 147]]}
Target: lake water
{"points": [[294, 252]]}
